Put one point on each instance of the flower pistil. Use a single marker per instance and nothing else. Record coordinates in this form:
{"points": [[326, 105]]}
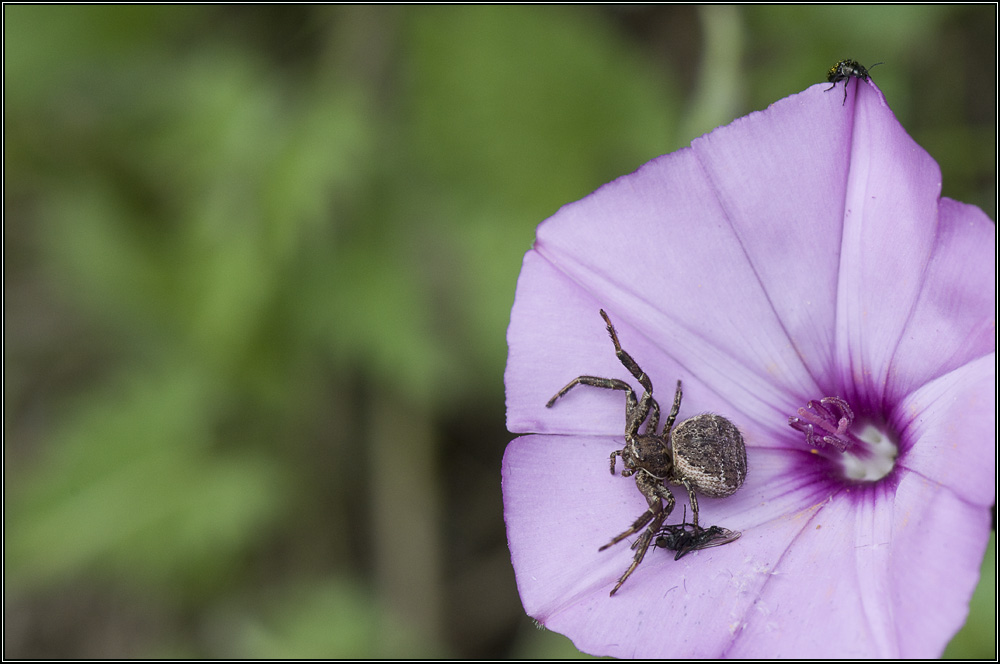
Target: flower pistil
{"points": [[833, 417]]}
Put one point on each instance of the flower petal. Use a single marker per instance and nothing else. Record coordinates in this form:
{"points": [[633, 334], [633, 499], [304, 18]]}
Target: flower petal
{"points": [[889, 227], [869, 565], [827, 583], [938, 541], [954, 320], [792, 239], [952, 419]]}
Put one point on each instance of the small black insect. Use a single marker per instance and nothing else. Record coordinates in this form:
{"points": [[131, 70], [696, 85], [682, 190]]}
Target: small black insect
{"points": [[844, 71], [705, 453], [686, 537]]}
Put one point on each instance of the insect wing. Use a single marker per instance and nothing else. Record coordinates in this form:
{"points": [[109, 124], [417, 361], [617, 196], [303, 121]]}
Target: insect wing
{"points": [[714, 536]]}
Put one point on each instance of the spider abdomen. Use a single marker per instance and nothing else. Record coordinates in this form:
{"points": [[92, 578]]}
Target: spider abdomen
{"points": [[709, 453]]}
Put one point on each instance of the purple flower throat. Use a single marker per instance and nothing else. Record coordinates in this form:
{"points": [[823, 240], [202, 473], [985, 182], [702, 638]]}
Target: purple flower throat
{"points": [[866, 457]]}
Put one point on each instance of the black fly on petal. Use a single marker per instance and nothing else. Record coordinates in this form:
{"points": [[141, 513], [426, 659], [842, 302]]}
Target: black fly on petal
{"points": [[845, 70], [687, 537]]}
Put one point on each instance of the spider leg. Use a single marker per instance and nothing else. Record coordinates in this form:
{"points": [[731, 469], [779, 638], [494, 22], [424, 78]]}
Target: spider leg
{"points": [[626, 359], [654, 417], [634, 413], [694, 501], [636, 409], [655, 508], [655, 492], [596, 381], [646, 401], [642, 545], [673, 410]]}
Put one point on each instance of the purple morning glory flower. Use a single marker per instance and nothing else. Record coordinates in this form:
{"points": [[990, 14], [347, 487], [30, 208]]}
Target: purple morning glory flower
{"points": [[800, 273]]}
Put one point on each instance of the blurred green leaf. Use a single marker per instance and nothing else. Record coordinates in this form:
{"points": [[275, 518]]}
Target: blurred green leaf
{"points": [[45, 45], [528, 106], [131, 487], [977, 639], [334, 619], [511, 112]]}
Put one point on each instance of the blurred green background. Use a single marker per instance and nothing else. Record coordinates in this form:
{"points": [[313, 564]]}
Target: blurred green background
{"points": [[258, 268]]}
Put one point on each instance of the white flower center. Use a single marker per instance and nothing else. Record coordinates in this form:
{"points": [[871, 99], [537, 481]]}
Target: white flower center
{"points": [[877, 460]]}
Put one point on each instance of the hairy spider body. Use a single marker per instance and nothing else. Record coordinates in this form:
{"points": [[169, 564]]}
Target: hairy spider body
{"points": [[697, 452], [705, 453]]}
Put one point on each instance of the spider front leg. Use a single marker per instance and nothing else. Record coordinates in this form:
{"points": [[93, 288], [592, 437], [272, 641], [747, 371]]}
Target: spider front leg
{"points": [[624, 454], [636, 409], [646, 403], [632, 413], [597, 381], [632, 405]]}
